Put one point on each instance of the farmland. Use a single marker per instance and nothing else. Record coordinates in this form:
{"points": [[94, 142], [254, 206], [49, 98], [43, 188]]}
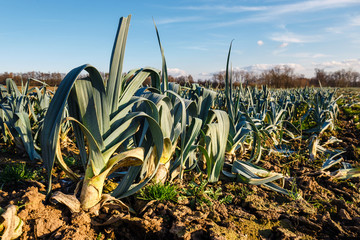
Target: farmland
{"points": [[115, 159]]}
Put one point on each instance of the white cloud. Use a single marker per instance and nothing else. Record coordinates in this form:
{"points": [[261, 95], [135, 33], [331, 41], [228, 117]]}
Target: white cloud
{"points": [[176, 72], [336, 65], [203, 75], [284, 44], [260, 43]]}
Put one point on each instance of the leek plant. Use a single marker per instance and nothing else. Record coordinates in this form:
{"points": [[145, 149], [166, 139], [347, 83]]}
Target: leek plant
{"points": [[254, 115], [17, 115], [241, 126], [249, 173], [213, 143], [178, 123], [323, 110], [105, 117]]}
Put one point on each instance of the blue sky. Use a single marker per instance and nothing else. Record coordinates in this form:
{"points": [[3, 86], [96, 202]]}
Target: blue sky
{"points": [[61, 35]]}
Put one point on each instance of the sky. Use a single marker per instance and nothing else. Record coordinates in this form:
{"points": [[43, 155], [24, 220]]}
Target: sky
{"points": [[57, 36]]}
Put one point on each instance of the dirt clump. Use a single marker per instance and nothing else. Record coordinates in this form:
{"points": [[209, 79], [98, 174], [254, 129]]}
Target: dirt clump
{"points": [[329, 208], [44, 221]]}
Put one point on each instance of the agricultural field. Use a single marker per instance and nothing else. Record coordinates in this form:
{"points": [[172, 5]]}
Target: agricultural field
{"points": [[115, 159]]}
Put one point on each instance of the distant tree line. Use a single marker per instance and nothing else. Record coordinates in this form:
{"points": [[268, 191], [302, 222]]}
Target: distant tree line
{"points": [[340, 78], [52, 79], [285, 77], [276, 77]]}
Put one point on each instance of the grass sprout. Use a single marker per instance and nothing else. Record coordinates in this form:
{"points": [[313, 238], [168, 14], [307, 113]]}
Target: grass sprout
{"points": [[159, 192], [17, 172]]}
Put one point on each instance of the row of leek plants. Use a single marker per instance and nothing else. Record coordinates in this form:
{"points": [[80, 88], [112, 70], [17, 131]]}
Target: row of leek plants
{"points": [[162, 130]]}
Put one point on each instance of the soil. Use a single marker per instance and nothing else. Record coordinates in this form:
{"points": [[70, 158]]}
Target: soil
{"points": [[329, 208]]}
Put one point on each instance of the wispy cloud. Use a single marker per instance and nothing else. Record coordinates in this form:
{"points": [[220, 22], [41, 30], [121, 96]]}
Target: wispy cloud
{"points": [[335, 30], [178, 20], [355, 21], [345, 26], [266, 13], [312, 5], [304, 6], [319, 55], [226, 9], [289, 37], [199, 48], [279, 50], [238, 52]]}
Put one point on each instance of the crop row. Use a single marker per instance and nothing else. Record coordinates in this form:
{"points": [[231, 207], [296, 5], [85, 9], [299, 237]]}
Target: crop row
{"points": [[123, 128]]}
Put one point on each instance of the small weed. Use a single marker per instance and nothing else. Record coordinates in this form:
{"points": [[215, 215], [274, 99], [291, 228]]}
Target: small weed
{"points": [[227, 199], [318, 204], [294, 192], [159, 192], [322, 206], [197, 193], [17, 172], [244, 192], [214, 194]]}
